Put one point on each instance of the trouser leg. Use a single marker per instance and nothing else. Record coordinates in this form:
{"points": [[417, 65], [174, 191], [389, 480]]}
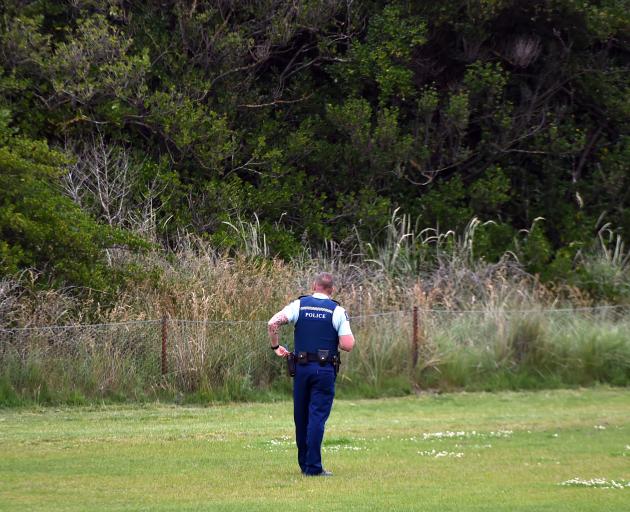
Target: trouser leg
{"points": [[301, 397], [322, 395]]}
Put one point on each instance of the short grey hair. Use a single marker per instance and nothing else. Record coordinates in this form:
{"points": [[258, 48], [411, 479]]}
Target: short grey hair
{"points": [[325, 280]]}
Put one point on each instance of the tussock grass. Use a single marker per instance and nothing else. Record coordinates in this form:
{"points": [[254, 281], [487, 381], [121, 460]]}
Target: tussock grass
{"points": [[526, 350], [483, 326]]}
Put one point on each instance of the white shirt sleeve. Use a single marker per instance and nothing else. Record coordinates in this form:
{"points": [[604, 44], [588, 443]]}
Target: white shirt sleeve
{"points": [[340, 321], [292, 311]]}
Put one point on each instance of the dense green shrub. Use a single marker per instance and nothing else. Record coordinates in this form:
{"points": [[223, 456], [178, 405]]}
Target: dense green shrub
{"points": [[319, 118], [42, 229]]}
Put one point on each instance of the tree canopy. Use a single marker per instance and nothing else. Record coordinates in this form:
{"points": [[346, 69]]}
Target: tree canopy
{"points": [[318, 116]]}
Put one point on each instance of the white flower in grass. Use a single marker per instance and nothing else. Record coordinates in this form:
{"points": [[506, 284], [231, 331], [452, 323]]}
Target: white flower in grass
{"points": [[461, 434], [437, 455], [501, 433], [443, 435], [279, 443], [336, 448], [598, 483]]}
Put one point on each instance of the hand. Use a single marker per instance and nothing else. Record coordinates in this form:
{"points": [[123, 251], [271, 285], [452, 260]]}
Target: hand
{"points": [[282, 352]]}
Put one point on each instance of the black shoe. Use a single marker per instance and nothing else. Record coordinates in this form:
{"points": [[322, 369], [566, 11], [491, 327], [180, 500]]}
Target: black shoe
{"points": [[323, 473]]}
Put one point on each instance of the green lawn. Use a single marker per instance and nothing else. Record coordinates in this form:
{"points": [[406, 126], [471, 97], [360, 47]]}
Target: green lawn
{"points": [[459, 452]]}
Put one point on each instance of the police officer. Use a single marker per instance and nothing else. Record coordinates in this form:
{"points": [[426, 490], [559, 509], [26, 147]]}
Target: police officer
{"points": [[321, 329]]}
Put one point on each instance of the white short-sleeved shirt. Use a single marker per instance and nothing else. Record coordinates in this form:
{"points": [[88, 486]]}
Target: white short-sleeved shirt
{"points": [[339, 319]]}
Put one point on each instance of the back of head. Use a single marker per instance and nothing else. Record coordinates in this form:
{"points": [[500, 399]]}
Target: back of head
{"points": [[324, 282]]}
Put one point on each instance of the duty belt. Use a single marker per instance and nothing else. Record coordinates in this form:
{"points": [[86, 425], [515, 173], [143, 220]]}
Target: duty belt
{"points": [[322, 357], [311, 357]]}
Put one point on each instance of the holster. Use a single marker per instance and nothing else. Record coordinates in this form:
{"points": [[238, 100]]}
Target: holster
{"points": [[291, 364]]}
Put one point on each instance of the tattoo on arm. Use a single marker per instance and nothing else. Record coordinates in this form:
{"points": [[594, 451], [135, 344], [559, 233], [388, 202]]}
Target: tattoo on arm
{"points": [[273, 326]]}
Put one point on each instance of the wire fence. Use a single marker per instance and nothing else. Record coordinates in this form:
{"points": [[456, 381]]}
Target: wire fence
{"points": [[188, 355]]}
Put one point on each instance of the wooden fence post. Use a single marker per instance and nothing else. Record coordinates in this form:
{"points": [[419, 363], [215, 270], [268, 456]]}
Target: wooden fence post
{"points": [[414, 339], [164, 342]]}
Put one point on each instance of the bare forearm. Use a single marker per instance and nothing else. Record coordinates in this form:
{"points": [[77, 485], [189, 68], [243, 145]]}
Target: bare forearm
{"points": [[273, 327], [346, 342]]}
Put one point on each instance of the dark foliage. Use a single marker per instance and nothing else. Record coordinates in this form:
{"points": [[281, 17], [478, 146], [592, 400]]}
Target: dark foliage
{"points": [[322, 116]]}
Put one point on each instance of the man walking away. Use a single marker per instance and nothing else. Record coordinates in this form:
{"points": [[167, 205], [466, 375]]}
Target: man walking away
{"points": [[321, 329]]}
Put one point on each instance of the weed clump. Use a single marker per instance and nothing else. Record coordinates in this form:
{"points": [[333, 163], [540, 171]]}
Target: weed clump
{"points": [[481, 326]]}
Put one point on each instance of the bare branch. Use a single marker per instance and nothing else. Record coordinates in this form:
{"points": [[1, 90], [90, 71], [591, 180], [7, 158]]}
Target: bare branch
{"points": [[275, 102], [102, 182]]}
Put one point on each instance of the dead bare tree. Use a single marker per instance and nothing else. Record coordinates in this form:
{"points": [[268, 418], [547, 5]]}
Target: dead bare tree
{"points": [[523, 50], [101, 180], [105, 182]]}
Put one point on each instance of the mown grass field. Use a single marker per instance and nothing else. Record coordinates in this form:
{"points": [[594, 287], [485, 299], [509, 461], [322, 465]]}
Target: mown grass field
{"points": [[459, 452]]}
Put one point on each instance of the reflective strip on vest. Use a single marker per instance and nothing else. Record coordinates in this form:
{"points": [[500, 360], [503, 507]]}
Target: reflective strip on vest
{"points": [[315, 308]]}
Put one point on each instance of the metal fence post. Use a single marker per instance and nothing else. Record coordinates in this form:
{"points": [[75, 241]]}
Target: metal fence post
{"points": [[414, 339], [164, 340]]}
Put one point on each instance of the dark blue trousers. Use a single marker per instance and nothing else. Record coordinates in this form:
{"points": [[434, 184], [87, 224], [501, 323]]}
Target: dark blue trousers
{"points": [[313, 394]]}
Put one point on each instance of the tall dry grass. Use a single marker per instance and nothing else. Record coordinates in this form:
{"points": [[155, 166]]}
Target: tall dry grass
{"points": [[483, 325]]}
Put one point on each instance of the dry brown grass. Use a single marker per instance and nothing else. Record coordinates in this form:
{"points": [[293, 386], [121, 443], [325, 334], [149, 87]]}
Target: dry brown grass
{"points": [[476, 319], [198, 283]]}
